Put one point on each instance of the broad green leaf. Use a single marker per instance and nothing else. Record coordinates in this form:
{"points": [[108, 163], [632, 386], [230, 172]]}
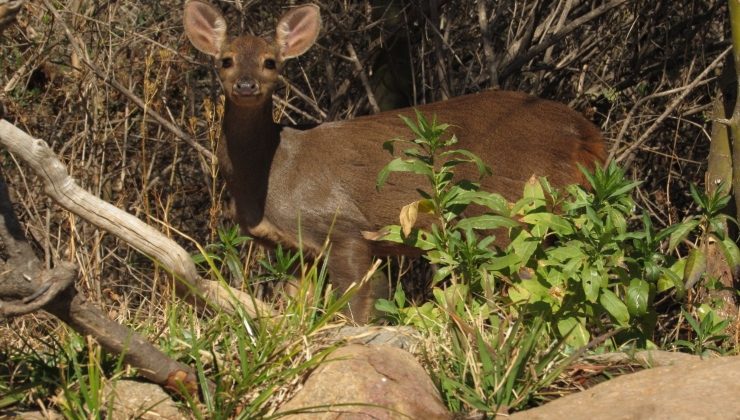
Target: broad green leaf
{"points": [[618, 220], [441, 273], [680, 232], [519, 295], [526, 204], [471, 157], [575, 332], [556, 223], [499, 263], [528, 291], [402, 165], [638, 294], [533, 189], [696, 266], [486, 222], [384, 305], [412, 125], [497, 203], [569, 251], [524, 245], [415, 238], [615, 307], [591, 282], [732, 254], [672, 277]]}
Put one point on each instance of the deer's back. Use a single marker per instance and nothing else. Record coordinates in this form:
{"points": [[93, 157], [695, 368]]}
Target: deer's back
{"points": [[331, 169]]}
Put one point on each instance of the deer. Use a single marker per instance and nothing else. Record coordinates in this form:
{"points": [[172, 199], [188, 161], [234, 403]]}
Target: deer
{"points": [[296, 186]]}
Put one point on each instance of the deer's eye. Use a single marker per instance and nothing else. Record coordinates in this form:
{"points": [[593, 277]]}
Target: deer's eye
{"points": [[270, 64], [227, 62]]}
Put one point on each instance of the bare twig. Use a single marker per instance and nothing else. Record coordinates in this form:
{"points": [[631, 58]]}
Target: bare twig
{"points": [[62, 188], [551, 39], [669, 109], [363, 76]]}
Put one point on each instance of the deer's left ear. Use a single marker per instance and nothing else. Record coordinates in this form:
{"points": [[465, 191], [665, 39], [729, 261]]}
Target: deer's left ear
{"points": [[297, 30]]}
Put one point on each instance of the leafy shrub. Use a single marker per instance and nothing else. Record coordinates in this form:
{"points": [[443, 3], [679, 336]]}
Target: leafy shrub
{"points": [[580, 258]]}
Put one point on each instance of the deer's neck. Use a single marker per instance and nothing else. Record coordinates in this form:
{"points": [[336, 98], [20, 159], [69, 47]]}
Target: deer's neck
{"points": [[250, 138]]}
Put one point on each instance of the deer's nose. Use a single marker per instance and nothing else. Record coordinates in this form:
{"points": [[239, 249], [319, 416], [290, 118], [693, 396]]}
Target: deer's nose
{"points": [[247, 87]]}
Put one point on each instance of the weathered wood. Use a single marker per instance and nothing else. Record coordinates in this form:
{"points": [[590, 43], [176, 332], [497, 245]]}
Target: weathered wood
{"points": [[62, 188]]}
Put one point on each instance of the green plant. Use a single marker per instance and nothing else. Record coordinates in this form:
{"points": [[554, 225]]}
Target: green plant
{"points": [[226, 254], [496, 367], [450, 242], [712, 226], [581, 257], [709, 332], [269, 353]]}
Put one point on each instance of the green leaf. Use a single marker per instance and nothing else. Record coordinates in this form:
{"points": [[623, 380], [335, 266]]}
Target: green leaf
{"points": [[591, 282], [497, 203], [564, 252], [416, 238], [470, 157], [732, 254], [575, 332], [499, 263], [692, 321], [680, 232], [696, 266], [412, 125], [671, 277], [533, 189], [618, 220], [557, 224], [384, 305], [524, 245], [486, 222], [699, 198], [638, 294], [615, 307], [528, 291]]}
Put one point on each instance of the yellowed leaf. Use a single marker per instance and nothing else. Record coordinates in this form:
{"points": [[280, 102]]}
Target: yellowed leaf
{"points": [[409, 214]]}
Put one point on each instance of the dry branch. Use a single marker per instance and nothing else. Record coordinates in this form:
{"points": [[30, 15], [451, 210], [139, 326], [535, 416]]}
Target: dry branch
{"points": [[26, 287], [61, 187], [519, 60]]}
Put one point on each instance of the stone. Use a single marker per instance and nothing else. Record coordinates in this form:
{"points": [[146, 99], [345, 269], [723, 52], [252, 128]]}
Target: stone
{"points": [[698, 389], [367, 382], [140, 400], [403, 337], [645, 358]]}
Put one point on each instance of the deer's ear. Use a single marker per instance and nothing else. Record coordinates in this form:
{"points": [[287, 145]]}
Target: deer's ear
{"points": [[205, 27], [297, 30]]}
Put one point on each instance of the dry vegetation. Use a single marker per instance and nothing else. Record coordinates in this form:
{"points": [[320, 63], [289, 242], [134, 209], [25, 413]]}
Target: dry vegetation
{"points": [[120, 95]]}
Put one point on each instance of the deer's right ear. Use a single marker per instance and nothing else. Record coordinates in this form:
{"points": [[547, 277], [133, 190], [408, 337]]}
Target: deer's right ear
{"points": [[205, 27]]}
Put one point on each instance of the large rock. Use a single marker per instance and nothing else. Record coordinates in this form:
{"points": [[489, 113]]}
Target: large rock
{"points": [[140, 400], [691, 390], [358, 381]]}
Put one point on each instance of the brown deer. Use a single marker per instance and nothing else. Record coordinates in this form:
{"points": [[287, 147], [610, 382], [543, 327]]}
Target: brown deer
{"points": [[289, 183]]}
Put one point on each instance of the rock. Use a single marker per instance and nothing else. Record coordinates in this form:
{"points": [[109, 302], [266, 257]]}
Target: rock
{"points": [[645, 358], [358, 382], [404, 337], [140, 400], [691, 390]]}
